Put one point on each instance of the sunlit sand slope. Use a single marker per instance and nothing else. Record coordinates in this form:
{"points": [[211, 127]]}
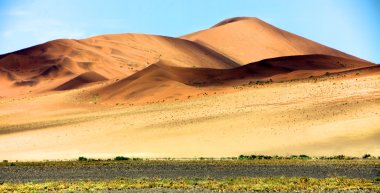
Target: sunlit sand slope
{"points": [[246, 39], [336, 114]]}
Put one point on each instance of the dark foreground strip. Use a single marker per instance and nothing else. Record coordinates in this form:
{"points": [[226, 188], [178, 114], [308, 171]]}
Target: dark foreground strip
{"points": [[41, 173]]}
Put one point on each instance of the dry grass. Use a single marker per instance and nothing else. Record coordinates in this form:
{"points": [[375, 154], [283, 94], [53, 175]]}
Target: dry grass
{"points": [[278, 184], [219, 161]]}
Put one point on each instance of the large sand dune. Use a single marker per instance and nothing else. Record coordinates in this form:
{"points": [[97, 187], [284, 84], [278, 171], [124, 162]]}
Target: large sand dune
{"points": [[246, 40]]}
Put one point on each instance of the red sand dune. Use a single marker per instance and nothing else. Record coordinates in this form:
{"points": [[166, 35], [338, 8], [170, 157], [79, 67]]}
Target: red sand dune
{"points": [[110, 56], [245, 40]]}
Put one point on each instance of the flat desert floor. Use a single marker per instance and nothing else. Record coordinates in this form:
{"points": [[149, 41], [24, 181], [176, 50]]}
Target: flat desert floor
{"points": [[317, 116]]}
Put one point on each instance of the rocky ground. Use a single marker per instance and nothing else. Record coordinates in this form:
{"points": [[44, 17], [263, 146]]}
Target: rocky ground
{"points": [[217, 170]]}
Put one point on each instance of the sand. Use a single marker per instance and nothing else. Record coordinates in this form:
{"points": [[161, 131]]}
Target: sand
{"points": [[329, 116]]}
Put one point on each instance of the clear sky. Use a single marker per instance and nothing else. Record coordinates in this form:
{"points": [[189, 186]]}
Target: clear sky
{"points": [[352, 26]]}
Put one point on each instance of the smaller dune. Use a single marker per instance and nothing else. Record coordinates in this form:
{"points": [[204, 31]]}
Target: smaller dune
{"points": [[81, 80], [168, 80]]}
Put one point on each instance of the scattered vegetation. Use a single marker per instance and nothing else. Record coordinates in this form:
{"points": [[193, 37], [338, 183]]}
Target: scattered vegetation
{"points": [[82, 159], [260, 82], [367, 156], [242, 159], [242, 184], [253, 157], [304, 157], [337, 157], [121, 158]]}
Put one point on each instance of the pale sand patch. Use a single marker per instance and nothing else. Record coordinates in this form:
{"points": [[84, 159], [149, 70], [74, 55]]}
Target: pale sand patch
{"points": [[330, 117]]}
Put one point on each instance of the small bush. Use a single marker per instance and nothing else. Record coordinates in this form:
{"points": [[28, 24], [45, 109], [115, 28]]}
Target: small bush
{"points": [[243, 157], [293, 157], [340, 157], [82, 159], [366, 156], [5, 161], [304, 156], [254, 157], [121, 158], [337, 157], [278, 157], [264, 157]]}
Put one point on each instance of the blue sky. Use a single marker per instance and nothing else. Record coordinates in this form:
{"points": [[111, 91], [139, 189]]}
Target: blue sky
{"points": [[352, 26]]}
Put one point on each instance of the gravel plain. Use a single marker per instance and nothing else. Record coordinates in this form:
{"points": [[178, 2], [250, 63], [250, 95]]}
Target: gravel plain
{"points": [[217, 170]]}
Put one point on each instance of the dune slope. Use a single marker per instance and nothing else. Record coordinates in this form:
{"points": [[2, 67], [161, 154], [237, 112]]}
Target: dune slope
{"points": [[162, 80], [246, 40], [111, 56]]}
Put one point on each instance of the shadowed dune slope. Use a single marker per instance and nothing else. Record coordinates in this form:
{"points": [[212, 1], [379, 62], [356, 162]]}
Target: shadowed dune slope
{"points": [[162, 75], [110, 56], [85, 78], [246, 40]]}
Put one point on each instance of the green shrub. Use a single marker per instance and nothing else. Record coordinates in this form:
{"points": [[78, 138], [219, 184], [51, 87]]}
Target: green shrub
{"points": [[253, 157], [264, 157], [243, 157], [304, 156], [366, 156], [278, 157], [293, 157], [121, 158], [337, 157], [82, 159], [340, 157]]}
